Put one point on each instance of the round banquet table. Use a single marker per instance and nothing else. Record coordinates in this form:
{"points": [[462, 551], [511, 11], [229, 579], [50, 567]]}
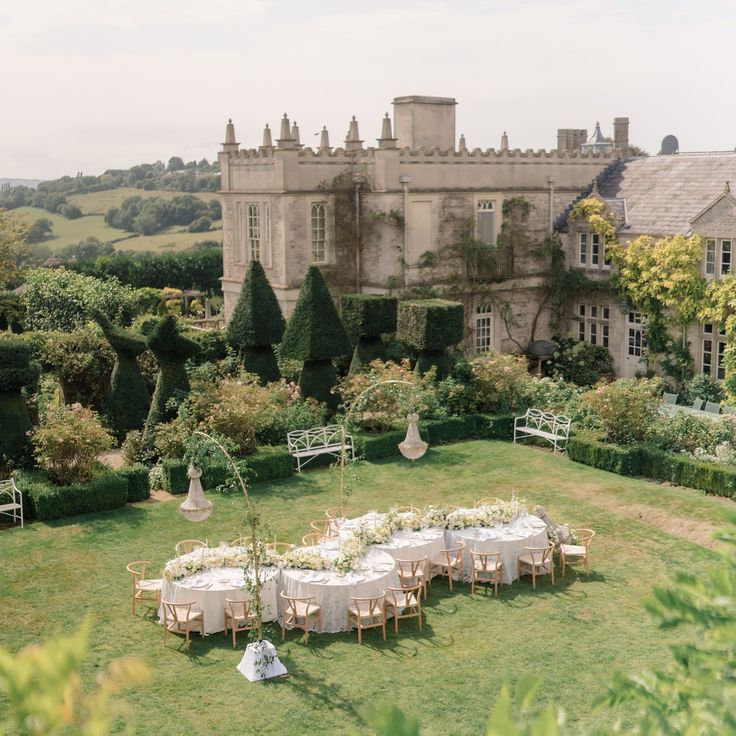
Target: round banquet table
{"points": [[332, 591], [209, 589], [511, 540]]}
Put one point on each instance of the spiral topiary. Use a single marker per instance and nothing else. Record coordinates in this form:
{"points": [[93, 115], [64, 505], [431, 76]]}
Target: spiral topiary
{"points": [[256, 325], [431, 326], [315, 335], [127, 401], [367, 317], [16, 371], [172, 350]]}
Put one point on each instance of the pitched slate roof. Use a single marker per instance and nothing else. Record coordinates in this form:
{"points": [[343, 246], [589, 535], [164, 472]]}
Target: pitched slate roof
{"points": [[663, 194]]}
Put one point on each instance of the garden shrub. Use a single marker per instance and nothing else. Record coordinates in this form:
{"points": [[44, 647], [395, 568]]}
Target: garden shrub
{"points": [[60, 300], [213, 346], [627, 408], [431, 326], [83, 362], [67, 443], [366, 318], [12, 314], [136, 477], [558, 397], [126, 404], [701, 387], [376, 446], [315, 335], [386, 405], [579, 362], [690, 472], [16, 372], [172, 350], [591, 450], [256, 325], [500, 382], [688, 433], [450, 429], [104, 492]]}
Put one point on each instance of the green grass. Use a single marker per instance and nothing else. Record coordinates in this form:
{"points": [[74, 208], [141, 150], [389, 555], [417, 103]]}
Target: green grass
{"points": [[98, 203], [572, 634], [171, 239]]}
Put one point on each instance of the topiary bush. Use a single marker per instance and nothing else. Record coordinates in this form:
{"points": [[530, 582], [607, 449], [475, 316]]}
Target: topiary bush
{"points": [[256, 325], [11, 312], [126, 404], [172, 350], [16, 371], [316, 335], [366, 318], [431, 326]]}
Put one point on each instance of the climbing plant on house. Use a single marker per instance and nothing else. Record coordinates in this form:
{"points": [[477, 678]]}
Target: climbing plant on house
{"points": [[720, 308]]}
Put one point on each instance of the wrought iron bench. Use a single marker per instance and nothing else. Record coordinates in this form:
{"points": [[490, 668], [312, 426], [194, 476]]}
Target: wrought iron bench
{"points": [[11, 500], [536, 423], [309, 443]]}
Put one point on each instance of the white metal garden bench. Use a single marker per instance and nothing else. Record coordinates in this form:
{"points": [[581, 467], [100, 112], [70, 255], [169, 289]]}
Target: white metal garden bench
{"points": [[551, 427], [11, 500], [309, 443]]}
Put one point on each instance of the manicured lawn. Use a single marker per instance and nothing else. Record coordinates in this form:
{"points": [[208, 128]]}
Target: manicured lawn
{"points": [[572, 634]]}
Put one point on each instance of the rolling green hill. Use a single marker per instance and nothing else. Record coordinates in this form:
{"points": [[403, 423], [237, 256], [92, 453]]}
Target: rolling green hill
{"points": [[98, 203]]}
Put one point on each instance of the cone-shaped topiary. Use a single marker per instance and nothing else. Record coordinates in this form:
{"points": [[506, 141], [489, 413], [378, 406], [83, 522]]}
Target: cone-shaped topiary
{"points": [[367, 317], [16, 371], [127, 400], [172, 350], [256, 325], [315, 335], [431, 326]]}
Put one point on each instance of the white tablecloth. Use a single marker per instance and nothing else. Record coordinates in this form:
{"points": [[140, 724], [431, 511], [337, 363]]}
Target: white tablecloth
{"points": [[333, 591], [209, 589], [511, 540]]}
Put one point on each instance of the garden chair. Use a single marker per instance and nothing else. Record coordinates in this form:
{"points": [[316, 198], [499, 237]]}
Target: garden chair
{"points": [[670, 399], [279, 548], [337, 512], [450, 563], [313, 539], [367, 613], [188, 545], [698, 404], [570, 553], [242, 542], [712, 407], [238, 617], [322, 526], [405, 603], [536, 561], [413, 572], [299, 613], [144, 590], [486, 567], [488, 501], [179, 618]]}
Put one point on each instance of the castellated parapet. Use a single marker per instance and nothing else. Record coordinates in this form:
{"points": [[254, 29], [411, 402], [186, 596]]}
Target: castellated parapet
{"points": [[370, 215]]}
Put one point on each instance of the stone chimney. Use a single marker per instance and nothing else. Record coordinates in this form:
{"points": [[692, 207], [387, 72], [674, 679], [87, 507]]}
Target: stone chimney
{"points": [[230, 143], [267, 142], [324, 139], [295, 135], [352, 141], [285, 140], [462, 145], [425, 122], [504, 142], [387, 139], [621, 135]]}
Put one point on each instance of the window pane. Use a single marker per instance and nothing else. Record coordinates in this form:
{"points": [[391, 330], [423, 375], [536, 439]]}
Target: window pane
{"points": [[487, 226], [725, 257], [254, 232], [710, 257], [594, 249], [583, 248], [707, 356], [317, 222]]}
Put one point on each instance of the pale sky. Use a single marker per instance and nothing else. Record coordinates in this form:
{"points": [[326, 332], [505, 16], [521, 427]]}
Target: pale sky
{"points": [[94, 85]]}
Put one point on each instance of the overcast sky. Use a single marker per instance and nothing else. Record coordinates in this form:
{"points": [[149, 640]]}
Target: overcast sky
{"points": [[93, 85]]}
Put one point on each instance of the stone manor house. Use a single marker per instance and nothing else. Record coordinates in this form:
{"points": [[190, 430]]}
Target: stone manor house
{"points": [[423, 209]]}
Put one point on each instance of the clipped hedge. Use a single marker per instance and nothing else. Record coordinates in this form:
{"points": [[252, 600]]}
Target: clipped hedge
{"points": [[366, 317], [136, 476], [583, 448], [107, 491]]}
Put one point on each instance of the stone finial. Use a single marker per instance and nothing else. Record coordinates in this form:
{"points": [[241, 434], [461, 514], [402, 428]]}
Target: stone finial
{"points": [[324, 139], [230, 143], [352, 141], [462, 146], [386, 140], [267, 144], [594, 188], [727, 188], [285, 139], [295, 134], [504, 142]]}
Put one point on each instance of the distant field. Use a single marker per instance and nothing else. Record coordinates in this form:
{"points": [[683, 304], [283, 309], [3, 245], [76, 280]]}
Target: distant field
{"points": [[98, 203], [68, 232]]}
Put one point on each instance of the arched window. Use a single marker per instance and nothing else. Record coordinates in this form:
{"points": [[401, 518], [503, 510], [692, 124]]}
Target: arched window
{"points": [[317, 221], [254, 232]]}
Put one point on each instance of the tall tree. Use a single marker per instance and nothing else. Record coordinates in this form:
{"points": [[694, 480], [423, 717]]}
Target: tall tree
{"points": [[13, 234]]}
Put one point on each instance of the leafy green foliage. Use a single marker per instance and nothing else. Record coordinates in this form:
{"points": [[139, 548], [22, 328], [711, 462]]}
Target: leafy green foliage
{"points": [[57, 299], [579, 362], [12, 247], [702, 387], [172, 350], [11, 312], [149, 215], [368, 315], [500, 382], [126, 404], [136, 476]]}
